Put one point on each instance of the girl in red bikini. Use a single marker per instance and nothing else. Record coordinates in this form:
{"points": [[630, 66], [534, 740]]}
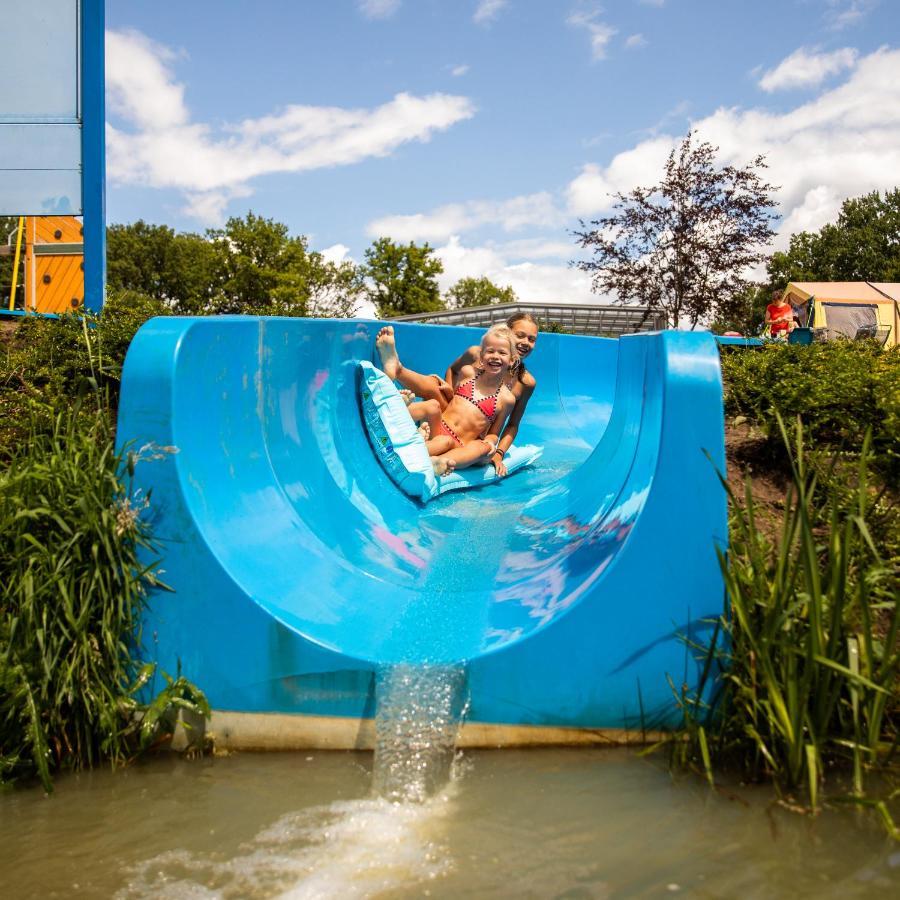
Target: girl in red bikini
{"points": [[466, 431], [439, 392]]}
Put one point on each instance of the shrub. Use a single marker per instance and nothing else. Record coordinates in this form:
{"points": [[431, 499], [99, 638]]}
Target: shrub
{"points": [[840, 390], [54, 362]]}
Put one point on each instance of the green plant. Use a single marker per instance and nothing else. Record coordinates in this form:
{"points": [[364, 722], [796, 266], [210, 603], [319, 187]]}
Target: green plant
{"points": [[841, 390], [72, 586], [147, 725], [808, 670], [54, 362]]}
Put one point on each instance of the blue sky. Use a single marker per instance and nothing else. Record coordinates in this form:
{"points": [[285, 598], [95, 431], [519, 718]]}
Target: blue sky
{"points": [[486, 127]]}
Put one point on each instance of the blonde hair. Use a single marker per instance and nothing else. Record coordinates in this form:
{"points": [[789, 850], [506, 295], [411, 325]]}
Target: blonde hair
{"points": [[504, 334]]}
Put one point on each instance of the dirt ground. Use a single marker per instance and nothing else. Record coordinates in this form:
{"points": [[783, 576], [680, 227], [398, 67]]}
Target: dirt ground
{"points": [[7, 330], [746, 457]]}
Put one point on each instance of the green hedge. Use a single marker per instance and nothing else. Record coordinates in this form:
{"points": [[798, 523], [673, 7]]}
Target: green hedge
{"points": [[840, 390]]}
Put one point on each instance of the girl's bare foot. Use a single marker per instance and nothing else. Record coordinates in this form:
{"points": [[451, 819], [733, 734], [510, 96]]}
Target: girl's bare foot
{"points": [[408, 396], [442, 466], [425, 430], [387, 349]]}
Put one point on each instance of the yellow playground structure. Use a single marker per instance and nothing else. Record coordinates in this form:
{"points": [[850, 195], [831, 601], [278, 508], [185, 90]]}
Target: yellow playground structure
{"points": [[52, 248]]}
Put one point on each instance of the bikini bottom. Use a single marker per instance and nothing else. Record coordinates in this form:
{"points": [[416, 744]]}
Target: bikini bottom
{"points": [[446, 429]]}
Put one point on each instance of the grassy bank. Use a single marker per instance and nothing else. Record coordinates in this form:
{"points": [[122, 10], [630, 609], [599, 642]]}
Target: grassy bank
{"points": [[72, 584], [802, 684]]}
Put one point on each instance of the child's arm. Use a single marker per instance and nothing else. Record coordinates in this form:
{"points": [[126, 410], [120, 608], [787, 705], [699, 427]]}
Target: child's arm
{"points": [[508, 435], [467, 359]]}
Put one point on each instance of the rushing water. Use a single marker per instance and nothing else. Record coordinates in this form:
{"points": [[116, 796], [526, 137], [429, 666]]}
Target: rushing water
{"points": [[572, 823], [419, 711]]}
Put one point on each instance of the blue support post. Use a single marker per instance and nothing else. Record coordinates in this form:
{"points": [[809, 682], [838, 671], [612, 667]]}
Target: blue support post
{"points": [[93, 151]]}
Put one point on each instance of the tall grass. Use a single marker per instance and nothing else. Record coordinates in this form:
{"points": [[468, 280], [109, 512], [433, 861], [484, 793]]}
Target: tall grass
{"points": [[72, 589], [809, 665]]}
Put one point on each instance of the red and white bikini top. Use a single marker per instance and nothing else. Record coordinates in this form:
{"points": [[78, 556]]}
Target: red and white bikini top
{"points": [[487, 405]]}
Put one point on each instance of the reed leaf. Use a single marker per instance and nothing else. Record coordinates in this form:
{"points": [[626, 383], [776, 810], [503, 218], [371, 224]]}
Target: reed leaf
{"points": [[809, 656]]}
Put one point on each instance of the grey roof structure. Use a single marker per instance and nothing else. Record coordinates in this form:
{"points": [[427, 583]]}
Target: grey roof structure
{"points": [[573, 318]]}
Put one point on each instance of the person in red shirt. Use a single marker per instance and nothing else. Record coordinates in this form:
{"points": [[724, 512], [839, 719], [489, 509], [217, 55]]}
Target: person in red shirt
{"points": [[779, 317]]}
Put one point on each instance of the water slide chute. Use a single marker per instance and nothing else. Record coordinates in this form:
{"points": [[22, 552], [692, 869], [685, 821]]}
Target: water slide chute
{"points": [[298, 568]]}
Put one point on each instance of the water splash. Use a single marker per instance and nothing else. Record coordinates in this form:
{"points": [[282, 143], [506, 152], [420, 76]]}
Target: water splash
{"points": [[349, 849], [419, 709]]}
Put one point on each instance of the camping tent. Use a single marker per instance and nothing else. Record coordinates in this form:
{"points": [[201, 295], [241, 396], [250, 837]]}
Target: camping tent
{"points": [[845, 307]]}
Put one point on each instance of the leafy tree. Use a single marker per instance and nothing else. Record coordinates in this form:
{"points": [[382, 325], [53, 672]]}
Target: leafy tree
{"points": [[744, 312], [402, 278], [477, 292], [252, 265], [178, 269], [863, 245], [682, 246]]}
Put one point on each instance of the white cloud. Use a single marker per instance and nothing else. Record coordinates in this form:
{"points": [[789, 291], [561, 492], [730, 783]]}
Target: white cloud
{"points": [[589, 192], [633, 41], [532, 282], [488, 10], [138, 85], [600, 33], [159, 146], [455, 218], [656, 3], [844, 13], [844, 143], [336, 253], [378, 9], [806, 67], [458, 71]]}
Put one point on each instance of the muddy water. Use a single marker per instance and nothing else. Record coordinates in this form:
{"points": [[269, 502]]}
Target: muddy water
{"points": [[545, 823]]}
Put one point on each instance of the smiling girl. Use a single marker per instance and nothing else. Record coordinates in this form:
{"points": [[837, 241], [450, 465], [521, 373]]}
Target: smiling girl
{"points": [[439, 392]]}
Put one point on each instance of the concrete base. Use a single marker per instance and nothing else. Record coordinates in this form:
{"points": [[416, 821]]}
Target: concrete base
{"points": [[274, 731]]}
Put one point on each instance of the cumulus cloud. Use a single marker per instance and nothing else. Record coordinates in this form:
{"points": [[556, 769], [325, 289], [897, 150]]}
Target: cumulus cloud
{"points": [[599, 32], [439, 224], [633, 41], [841, 144], [533, 282], [336, 253], [378, 9], [161, 147], [488, 10], [807, 67], [458, 71]]}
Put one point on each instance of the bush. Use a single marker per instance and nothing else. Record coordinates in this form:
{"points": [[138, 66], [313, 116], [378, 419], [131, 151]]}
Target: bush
{"points": [[54, 362], [840, 390]]}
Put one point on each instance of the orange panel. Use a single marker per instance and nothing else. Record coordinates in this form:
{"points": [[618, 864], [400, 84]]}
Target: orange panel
{"points": [[59, 283], [57, 230]]}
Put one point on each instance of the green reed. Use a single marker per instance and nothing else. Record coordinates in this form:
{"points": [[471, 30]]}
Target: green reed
{"points": [[805, 676], [72, 587]]}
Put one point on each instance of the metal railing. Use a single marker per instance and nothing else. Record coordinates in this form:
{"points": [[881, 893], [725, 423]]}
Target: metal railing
{"points": [[574, 318]]}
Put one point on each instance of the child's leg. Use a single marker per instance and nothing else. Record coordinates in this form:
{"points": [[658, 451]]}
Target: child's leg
{"points": [[475, 453], [429, 387], [439, 444], [423, 410]]}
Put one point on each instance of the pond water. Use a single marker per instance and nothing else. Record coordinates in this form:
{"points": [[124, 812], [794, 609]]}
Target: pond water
{"points": [[572, 823]]}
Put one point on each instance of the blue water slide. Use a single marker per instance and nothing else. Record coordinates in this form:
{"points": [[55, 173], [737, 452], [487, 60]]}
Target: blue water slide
{"points": [[297, 568]]}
